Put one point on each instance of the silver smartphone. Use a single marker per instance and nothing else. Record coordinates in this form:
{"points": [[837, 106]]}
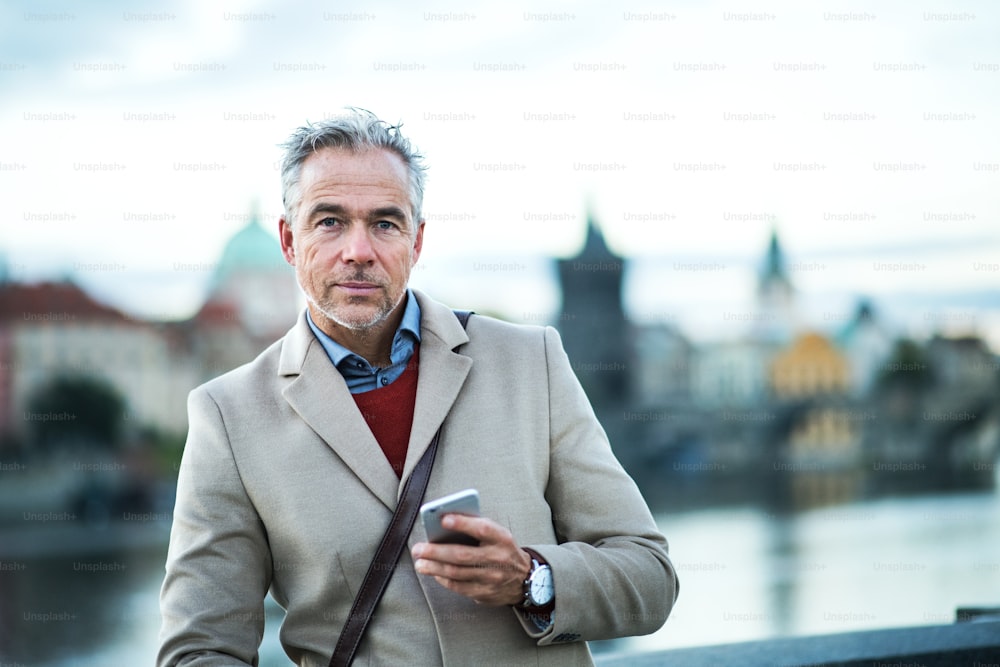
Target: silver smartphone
{"points": [[462, 502]]}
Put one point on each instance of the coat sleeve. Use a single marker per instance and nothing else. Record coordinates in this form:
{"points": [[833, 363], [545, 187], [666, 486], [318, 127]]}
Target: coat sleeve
{"points": [[611, 570], [218, 564]]}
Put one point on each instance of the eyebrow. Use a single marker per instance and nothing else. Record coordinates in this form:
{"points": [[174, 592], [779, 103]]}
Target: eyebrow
{"points": [[388, 212], [374, 214], [322, 207]]}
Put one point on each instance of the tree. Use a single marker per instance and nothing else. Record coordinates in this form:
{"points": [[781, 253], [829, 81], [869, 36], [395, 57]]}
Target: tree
{"points": [[908, 369], [76, 409]]}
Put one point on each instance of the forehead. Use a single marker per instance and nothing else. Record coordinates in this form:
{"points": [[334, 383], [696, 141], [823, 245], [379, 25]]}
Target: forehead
{"points": [[338, 171]]}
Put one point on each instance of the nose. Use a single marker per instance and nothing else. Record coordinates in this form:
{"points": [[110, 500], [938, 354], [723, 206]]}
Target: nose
{"points": [[358, 245]]}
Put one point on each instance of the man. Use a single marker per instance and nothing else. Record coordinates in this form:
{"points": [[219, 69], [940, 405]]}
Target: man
{"points": [[294, 462]]}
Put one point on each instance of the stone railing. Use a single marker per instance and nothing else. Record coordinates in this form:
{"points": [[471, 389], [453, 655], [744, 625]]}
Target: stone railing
{"points": [[973, 643]]}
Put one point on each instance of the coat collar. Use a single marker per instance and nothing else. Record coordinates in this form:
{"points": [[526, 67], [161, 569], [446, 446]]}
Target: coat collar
{"points": [[318, 393]]}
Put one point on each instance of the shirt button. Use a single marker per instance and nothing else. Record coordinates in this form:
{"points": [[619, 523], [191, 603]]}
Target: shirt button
{"points": [[385, 381], [360, 365]]}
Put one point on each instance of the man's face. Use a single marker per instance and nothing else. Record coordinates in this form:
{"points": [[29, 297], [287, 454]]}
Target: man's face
{"points": [[353, 241]]}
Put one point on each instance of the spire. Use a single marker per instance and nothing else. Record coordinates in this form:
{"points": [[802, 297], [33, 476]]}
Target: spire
{"points": [[866, 312], [775, 297], [774, 264], [774, 275], [864, 318], [594, 245]]}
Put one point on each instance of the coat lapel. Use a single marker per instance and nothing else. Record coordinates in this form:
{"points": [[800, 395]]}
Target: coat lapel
{"points": [[318, 393], [441, 375], [320, 396]]}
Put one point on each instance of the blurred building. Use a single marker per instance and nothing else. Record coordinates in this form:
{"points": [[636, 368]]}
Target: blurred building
{"points": [[255, 284], [252, 301], [595, 332], [775, 316], [664, 373], [810, 367], [735, 373], [732, 374], [55, 328], [811, 381], [867, 343], [809, 409], [818, 440], [965, 366]]}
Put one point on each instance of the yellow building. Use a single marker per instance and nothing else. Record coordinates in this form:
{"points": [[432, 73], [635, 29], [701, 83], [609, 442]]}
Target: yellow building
{"points": [[811, 367], [822, 443]]}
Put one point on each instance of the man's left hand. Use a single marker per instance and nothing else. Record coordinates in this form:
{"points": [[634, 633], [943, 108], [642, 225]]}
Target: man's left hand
{"points": [[492, 573]]}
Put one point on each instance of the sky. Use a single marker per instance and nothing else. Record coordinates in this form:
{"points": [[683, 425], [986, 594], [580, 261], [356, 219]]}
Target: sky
{"points": [[135, 139]]}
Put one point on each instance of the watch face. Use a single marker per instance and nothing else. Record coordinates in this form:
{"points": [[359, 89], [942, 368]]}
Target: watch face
{"points": [[541, 585]]}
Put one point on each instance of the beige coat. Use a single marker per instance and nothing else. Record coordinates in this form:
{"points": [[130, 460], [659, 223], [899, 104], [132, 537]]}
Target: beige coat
{"points": [[282, 487]]}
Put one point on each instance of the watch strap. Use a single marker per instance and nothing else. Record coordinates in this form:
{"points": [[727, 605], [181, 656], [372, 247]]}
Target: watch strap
{"points": [[526, 604]]}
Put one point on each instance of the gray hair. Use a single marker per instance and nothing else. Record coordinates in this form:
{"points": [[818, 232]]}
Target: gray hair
{"points": [[357, 130]]}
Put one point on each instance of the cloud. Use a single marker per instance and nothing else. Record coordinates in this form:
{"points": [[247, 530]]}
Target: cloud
{"points": [[692, 132]]}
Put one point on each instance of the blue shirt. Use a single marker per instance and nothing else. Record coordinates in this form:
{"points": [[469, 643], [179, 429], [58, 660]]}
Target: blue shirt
{"points": [[358, 373]]}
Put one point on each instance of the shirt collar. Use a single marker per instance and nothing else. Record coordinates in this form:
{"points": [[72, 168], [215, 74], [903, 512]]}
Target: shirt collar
{"points": [[409, 326]]}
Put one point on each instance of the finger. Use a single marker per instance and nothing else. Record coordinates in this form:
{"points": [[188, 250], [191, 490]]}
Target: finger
{"points": [[482, 528], [484, 572], [457, 554], [492, 582], [494, 562]]}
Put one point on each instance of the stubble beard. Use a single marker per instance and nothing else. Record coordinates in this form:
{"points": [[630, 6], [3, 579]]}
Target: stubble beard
{"points": [[357, 325]]}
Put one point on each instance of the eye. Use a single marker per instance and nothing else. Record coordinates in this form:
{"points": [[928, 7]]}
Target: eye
{"points": [[328, 222], [386, 225]]}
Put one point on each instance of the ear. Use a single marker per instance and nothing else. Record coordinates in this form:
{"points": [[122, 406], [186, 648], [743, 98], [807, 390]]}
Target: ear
{"points": [[287, 241], [418, 243]]}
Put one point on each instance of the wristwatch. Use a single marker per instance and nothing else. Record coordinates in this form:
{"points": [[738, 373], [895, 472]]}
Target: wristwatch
{"points": [[538, 588]]}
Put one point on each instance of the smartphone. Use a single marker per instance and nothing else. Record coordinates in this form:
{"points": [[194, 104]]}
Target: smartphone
{"points": [[462, 502]]}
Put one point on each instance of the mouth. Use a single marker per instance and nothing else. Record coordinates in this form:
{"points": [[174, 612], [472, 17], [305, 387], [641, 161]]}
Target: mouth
{"points": [[356, 288]]}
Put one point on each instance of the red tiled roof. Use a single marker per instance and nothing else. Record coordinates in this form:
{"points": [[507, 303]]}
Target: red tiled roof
{"points": [[52, 302], [216, 312]]}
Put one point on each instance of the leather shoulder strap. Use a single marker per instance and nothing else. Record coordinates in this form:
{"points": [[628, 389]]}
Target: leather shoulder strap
{"points": [[463, 317], [389, 549]]}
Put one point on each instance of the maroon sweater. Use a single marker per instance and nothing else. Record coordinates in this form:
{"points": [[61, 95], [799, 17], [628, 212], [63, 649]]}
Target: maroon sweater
{"points": [[389, 413]]}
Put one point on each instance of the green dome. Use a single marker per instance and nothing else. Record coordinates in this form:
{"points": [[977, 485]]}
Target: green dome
{"points": [[250, 249]]}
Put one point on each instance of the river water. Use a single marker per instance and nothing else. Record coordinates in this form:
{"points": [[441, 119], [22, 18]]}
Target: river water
{"points": [[746, 574]]}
